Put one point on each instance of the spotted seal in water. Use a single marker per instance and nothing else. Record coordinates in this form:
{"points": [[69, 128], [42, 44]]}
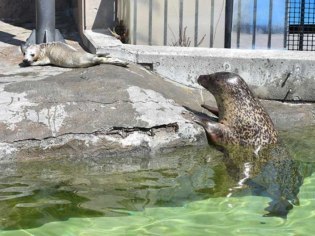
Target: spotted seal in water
{"points": [[254, 158], [241, 118]]}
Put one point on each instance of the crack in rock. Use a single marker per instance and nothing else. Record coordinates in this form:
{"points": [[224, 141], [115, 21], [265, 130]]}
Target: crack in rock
{"points": [[125, 137], [124, 132]]}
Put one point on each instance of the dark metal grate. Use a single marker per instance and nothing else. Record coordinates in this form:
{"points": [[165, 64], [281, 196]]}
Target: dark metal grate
{"points": [[301, 25]]}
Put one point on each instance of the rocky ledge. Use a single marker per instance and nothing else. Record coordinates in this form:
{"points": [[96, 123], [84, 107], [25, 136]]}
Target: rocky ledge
{"points": [[107, 111], [93, 113]]}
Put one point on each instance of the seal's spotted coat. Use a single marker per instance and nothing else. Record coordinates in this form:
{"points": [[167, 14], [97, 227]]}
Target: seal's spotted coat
{"points": [[242, 118]]}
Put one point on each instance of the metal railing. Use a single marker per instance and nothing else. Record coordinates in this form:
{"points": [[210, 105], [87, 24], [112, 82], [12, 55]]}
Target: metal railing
{"points": [[301, 25], [166, 4], [240, 14], [228, 23], [254, 23]]}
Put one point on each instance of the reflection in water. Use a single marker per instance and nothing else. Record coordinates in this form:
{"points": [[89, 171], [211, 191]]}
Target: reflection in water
{"points": [[34, 193], [271, 173], [32, 209]]}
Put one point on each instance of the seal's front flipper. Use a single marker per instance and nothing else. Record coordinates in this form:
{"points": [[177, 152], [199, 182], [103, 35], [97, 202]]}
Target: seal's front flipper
{"points": [[204, 120], [213, 110], [218, 133]]}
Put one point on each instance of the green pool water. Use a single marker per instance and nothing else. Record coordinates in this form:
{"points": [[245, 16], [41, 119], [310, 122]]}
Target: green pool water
{"points": [[182, 193]]}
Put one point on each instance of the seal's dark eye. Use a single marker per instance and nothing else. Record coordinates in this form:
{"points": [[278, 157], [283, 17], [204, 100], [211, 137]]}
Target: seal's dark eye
{"points": [[24, 53], [32, 55]]}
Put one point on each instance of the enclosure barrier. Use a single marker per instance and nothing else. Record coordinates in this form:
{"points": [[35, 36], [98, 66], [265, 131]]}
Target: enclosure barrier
{"points": [[233, 21], [228, 23], [301, 21], [256, 24], [180, 20]]}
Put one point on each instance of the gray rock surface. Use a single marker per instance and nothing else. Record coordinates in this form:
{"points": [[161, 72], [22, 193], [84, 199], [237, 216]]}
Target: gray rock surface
{"points": [[95, 112]]}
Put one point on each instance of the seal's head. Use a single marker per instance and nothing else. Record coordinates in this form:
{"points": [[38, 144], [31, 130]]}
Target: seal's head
{"points": [[224, 83], [31, 53], [214, 82], [230, 92]]}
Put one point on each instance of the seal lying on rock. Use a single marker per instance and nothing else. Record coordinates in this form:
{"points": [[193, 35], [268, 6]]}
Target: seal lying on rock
{"points": [[63, 55], [254, 157]]}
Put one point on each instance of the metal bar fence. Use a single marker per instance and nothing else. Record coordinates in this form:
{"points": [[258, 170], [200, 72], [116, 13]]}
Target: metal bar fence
{"points": [[228, 23], [135, 15], [270, 23], [211, 24], [266, 30], [181, 17], [300, 25], [150, 22], [286, 16], [196, 22], [297, 27], [238, 28], [165, 22], [254, 24]]}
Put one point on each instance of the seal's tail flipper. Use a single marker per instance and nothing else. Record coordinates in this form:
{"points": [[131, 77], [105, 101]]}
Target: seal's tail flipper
{"points": [[112, 61]]}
